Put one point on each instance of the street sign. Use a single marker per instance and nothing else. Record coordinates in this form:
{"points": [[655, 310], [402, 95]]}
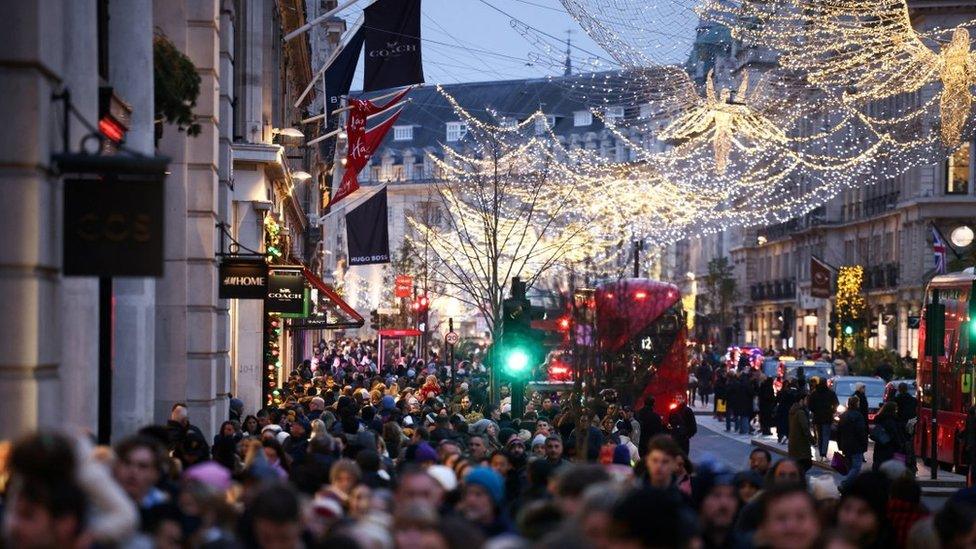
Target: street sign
{"points": [[403, 286], [452, 338]]}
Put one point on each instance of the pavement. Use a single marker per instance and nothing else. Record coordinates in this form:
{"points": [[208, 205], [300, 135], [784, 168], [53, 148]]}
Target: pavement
{"points": [[713, 439]]}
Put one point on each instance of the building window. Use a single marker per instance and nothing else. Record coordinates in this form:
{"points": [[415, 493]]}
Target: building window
{"points": [[613, 115], [542, 124], [957, 174], [456, 131], [402, 133], [645, 111], [582, 118]]}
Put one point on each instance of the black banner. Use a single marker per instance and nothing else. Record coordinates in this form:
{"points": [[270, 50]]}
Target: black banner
{"points": [[393, 45], [368, 233], [243, 278], [286, 291]]}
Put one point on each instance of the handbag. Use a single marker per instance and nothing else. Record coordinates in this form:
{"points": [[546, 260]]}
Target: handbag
{"points": [[839, 463], [720, 405], [880, 435]]}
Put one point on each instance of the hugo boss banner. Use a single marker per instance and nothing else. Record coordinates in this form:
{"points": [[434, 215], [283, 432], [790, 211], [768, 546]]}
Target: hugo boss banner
{"points": [[367, 232], [243, 279], [286, 291], [392, 45], [819, 278]]}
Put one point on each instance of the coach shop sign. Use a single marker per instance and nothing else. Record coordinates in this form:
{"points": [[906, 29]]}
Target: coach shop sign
{"points": [[286, 291], [243, 278]]}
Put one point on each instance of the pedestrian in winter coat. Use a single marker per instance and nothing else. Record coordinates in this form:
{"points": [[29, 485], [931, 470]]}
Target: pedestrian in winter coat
{"points": [[785, 400], [861, 394], [852, 439], [682, 425], [823, 404], [651, 424], [800, 438], [767, 405], [888, 438]]}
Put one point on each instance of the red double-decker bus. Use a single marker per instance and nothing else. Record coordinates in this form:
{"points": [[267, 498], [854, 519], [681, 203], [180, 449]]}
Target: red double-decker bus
{"points": [[641, 335], [955, 374]]}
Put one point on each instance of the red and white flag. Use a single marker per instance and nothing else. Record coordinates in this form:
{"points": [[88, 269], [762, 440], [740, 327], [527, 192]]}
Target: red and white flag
{"points": [[363, 142]]}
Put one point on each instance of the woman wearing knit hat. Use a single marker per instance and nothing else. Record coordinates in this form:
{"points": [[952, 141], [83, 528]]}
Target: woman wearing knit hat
{"points": [[482, 502]]}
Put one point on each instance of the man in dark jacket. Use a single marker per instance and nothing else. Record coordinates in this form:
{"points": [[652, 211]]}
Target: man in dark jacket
{"points": [[784, 402], [860, 391], [823, 403], [852, 439], [650, 424], [743, 404], [682, 424], [907, 418], [767, 405]]}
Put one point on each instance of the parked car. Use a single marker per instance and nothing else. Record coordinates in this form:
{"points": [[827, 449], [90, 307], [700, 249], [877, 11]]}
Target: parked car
{"points": [[874, 388], [891, 389]]}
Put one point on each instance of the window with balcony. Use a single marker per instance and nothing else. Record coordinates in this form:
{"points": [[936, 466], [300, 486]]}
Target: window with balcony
{"points": [[542, 124], [957, 172], [613, 115], [402, 133], [456, 131], [582, 118]]}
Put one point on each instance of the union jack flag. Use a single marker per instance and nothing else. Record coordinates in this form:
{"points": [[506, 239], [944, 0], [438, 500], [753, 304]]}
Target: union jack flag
{"points": [[938, 251]]}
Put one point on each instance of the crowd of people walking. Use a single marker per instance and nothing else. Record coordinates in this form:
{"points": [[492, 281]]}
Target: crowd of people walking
{"points": [[358, 456]]}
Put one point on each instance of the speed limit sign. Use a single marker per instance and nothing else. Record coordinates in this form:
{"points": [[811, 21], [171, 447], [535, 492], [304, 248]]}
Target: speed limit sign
{"points": [[452, 338]]}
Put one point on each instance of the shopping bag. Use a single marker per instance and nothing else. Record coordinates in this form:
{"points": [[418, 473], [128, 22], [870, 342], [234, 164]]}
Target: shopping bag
{"points": [[720, 405], [839, 463]]}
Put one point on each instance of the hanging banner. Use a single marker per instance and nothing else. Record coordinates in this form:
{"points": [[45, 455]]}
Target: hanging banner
{"points": [[819, 278], [362, 142], [286, 291], [243, 278], [393, 56], [367, 232], [403, 286], [338, 79]]}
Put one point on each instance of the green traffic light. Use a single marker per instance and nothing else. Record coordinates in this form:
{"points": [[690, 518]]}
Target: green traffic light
{"points": [[516, 361], [849, 330]]}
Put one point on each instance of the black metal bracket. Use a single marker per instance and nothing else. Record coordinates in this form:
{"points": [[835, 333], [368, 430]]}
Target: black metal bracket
{"points": [[235, 247]]}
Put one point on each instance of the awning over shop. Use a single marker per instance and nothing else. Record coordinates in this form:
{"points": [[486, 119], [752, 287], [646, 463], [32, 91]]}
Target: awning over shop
{"points": [[328, 310]]}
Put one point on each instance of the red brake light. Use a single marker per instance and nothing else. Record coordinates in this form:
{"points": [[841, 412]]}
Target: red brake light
{"points": [[640, 295], [672, 406], [563, 324]]}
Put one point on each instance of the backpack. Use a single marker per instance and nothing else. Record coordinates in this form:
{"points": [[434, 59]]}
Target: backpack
{"points": [[880, 435]]}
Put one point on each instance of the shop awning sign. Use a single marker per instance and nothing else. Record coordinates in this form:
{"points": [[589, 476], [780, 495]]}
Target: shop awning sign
{"points": [[243, 278]]}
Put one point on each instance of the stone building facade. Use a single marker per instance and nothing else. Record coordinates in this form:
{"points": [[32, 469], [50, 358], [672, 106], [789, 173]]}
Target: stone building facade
{"points": [[173, 339]]}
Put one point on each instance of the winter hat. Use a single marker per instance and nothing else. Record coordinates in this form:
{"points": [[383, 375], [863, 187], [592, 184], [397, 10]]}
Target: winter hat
{"points": [[872, 488], [424, 453], [210, 474], [237, 405], [444, 475], [539, 440], [621, 455], [387, 403], [708, 475], [748, 477], [282, 437], [487, 478]]}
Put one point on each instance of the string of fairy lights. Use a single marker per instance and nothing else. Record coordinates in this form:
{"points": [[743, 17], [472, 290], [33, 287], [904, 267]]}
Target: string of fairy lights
{"points": [[714, 114]]}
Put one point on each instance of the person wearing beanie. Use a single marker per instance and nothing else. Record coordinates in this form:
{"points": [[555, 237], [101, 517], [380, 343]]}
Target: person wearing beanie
{"points": [[425, 454], [862, 512], [539, 446], [482, 502], [714, 496]]}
